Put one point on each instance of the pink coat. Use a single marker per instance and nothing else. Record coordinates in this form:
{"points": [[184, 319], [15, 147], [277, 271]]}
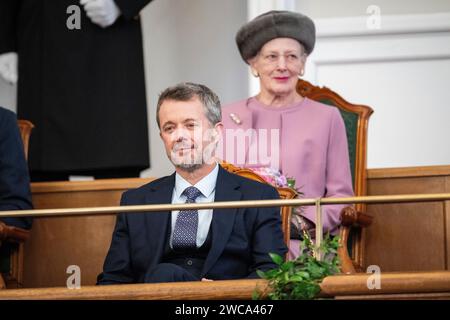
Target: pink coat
{"points": [[312, 148]]}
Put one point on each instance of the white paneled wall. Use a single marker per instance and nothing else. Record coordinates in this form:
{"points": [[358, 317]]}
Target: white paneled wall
{"points": [[191, 40], [402, 71]]}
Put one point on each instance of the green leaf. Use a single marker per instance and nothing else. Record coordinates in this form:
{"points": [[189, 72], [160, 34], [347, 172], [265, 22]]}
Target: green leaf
{"points": [[276, 258], [286, 266], [261, 274], [300, 278], [256, 295]]}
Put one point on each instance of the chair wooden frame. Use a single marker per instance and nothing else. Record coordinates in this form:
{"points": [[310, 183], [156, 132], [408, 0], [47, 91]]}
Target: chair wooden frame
{"points": [[25, 128], [285, 193], [351, 216]]}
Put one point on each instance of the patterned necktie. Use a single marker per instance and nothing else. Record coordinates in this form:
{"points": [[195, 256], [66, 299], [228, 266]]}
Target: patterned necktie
{"points": [[185, 231]]}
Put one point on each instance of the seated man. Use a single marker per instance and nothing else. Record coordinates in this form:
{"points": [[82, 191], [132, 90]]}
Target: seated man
{"points": [[14, 177], [188, 245]]}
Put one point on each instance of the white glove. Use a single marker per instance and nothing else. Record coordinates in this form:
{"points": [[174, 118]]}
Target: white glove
{"points": [[101, 12], [8, 67]]}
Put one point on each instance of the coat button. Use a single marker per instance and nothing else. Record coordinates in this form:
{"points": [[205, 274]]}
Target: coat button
{"points": [[189, 262]]}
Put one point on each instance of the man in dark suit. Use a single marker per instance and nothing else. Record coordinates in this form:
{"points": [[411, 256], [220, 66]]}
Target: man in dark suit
{"points": [[14, 179], [188, 245]]}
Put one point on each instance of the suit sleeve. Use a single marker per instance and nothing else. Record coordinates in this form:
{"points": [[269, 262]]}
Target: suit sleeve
{"points": [[338, 176], [131, 8], [117, 266], [267, 236], [14, 177], [8, 21]]}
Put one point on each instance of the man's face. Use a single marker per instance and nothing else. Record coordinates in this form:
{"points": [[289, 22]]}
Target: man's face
{"points": [[188, 136]]}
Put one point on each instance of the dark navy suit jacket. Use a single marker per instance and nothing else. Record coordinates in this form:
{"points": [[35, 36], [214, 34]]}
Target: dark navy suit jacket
{"points": [[241, 238], [14, 177]]}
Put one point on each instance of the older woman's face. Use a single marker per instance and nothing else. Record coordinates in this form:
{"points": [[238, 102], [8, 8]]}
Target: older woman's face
{"points": [[278, 65]]}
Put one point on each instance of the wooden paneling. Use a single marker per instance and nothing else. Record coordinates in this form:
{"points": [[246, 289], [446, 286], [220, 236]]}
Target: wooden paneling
{"points": [[415, 172], [403, 237], [408, 236], [59, 242]]}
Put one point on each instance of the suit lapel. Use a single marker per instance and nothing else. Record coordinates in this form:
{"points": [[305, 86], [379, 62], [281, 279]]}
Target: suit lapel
{"points": [[223, 219], [158, 222]]}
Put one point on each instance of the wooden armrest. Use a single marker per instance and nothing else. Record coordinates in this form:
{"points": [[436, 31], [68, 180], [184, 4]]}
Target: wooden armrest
{"points": [[351, 217], [13, 234]]}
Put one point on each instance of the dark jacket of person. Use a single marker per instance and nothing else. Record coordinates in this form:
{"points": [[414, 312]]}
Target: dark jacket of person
{"points": [[241, 238], [14, 179]]}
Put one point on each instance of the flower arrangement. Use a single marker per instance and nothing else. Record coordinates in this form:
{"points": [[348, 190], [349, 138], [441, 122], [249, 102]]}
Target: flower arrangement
{"points": [[275, 177]]}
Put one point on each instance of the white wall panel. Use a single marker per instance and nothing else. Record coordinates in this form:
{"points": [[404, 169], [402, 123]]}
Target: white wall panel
{"points": [[402, 71]]}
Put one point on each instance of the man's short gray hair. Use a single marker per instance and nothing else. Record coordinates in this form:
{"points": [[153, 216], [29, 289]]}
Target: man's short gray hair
{"points": [[186, 91]]}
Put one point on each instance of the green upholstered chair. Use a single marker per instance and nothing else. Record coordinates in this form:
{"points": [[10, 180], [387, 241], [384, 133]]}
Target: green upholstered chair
{"points": [[356, 118], [11, 252]]}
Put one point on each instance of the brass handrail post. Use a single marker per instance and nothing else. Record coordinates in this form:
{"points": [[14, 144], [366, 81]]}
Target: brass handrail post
{"points": [[319, 231]]}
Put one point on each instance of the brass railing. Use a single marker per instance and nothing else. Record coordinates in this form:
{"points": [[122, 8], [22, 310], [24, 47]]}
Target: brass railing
{"points": [[318, 202]]}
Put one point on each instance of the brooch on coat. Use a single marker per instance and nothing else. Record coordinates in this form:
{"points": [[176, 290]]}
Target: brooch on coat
{"points": [[235, 118]]}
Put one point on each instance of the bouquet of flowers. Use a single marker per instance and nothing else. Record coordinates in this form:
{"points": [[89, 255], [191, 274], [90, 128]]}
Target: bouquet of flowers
{"points": [[299, 225], [274, 177]]}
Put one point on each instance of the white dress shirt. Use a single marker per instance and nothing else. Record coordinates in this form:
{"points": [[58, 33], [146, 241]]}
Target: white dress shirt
{"points": [[207, 187]]}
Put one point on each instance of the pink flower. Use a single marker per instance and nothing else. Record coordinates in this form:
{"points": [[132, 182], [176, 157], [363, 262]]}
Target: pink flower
{"points": [[273, 177]]}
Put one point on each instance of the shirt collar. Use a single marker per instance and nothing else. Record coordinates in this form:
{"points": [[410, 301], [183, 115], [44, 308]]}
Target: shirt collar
{"points": [[206, 185]]}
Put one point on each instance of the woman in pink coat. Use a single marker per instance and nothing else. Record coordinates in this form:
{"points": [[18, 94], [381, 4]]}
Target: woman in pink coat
{"points": [[281, 129]]}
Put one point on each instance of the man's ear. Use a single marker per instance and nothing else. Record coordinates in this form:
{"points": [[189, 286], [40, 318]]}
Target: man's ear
{"points": [[218, 131]]}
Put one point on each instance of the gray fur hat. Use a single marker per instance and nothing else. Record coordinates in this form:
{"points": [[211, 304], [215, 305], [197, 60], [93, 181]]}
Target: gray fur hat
{"points": [[275, 24]]}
